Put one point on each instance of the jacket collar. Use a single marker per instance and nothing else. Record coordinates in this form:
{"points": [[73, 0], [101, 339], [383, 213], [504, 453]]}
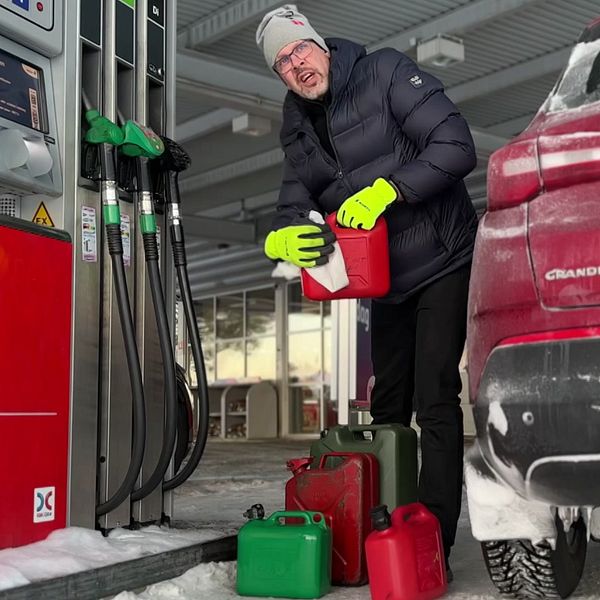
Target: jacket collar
{"points": [[344, 55]]}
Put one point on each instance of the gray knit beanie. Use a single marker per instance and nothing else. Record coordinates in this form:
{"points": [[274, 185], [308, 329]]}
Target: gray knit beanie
{"points": [[281, 27]]}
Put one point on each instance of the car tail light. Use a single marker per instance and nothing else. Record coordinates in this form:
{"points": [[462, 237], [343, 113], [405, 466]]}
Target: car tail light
{"points": [[569, 159], [552, 336], [513, 175]]}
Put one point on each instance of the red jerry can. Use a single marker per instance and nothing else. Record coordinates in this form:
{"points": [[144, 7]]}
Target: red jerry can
{"points": [[405, 555], [366, 255], [344, 487]]}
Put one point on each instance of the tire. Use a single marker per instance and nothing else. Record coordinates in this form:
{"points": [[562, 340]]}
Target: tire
{"points": [[520, 569]]}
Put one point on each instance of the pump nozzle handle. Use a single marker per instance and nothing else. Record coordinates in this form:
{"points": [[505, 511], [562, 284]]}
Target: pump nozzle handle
{"points": [[174, 159], [140, 141]]}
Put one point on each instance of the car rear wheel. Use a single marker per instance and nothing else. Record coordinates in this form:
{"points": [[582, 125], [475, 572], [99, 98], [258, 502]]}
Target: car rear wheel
{"points": [[520, 569]]}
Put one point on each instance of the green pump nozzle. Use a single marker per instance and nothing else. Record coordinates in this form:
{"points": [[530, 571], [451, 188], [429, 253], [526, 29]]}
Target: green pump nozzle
{"points": [[106, 134], [141, 141], [102, 130]]}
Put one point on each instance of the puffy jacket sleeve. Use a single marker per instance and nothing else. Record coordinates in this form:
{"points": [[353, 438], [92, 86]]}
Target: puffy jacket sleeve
{"points": [[433, 123], [294, 198]]}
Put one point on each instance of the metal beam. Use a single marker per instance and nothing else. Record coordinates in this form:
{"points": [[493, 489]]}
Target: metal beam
{"points": [[220, 230], [262, 94], [485, 143], [513, 126], [261, 263], [204, 124], [512, 76], [471, 15], [235, 87], [233, 170], [220, 24]]}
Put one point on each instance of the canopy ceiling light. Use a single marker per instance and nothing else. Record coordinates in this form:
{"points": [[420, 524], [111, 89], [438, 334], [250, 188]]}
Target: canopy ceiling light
{"points": [[440, 51], [251, 125]]}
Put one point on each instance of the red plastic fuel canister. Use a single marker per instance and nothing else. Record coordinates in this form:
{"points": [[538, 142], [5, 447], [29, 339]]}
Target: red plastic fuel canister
{"points": [[344, 487], [405, 556], [366, 255]]}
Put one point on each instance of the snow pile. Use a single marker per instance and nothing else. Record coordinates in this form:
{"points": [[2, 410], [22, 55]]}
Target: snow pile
{"points": [[217, 582], [75, 549], [210, 580]]}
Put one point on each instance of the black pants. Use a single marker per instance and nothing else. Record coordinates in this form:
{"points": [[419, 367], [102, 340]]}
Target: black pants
{"points": [[416, 350]]}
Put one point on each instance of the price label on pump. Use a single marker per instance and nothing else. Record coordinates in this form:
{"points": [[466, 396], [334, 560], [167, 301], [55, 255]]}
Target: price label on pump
{"points": [[126, 237], [89, 246]]}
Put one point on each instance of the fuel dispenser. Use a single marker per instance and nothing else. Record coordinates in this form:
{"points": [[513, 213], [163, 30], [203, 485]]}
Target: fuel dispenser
{"points": [[87, 313]]}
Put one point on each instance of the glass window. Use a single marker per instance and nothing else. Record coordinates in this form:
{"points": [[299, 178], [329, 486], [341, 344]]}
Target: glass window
{"points": [[230, 316], [326, 315], [230, 359], [209, 363], [580, 82], [205, 314], [261, 358], [305, 412], [260, 312], [304, 356], [327, 356], [303, 314]]}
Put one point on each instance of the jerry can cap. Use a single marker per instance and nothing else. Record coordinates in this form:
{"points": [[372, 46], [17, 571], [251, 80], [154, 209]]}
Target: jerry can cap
{"points": [[299, 465], [255, 512], [381, 518]]}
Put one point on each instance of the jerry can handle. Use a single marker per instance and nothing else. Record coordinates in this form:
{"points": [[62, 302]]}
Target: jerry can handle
{"points": [[359, 428], [327, 455], [405, 513], [310, 518]]}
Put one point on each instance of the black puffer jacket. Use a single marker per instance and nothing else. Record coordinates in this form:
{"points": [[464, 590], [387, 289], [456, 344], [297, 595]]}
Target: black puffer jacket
{"points": [[386, 118]]}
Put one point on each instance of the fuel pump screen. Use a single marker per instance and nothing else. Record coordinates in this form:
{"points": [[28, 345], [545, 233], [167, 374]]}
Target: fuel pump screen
{"points": [[22, 94]]}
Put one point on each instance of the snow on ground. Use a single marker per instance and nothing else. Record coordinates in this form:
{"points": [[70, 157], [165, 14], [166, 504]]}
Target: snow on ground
{"points": [[233, 476], [76, 549]]}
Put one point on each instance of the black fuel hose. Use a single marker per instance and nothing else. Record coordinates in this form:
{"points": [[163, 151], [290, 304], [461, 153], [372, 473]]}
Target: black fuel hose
{"points": [[170, 428], [115, 249], [178, 245]]}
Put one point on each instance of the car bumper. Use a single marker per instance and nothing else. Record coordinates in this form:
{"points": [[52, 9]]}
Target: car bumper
{"points": [[537, 417]]}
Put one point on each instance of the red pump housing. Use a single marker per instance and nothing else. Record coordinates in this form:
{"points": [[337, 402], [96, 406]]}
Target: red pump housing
{"points": [[35, 347]]}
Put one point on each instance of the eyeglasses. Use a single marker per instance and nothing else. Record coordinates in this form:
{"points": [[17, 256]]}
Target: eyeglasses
{"points": [[284, 64]]}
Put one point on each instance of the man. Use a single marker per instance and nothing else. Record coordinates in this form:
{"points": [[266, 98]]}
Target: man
{"points": [[373, 136]]}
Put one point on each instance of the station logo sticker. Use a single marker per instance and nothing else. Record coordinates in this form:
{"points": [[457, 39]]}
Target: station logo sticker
{"points": [[43, 504]]}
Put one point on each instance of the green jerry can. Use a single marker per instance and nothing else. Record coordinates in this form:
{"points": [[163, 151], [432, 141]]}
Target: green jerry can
{"points": [[395, 447], [283, 560]]}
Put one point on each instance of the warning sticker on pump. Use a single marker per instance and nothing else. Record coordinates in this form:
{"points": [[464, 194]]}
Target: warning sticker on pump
{"points": [[42, 216], [22, 97]]}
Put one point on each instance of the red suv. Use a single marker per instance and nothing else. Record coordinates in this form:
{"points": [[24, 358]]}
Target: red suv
{"points": [[533, 476]]}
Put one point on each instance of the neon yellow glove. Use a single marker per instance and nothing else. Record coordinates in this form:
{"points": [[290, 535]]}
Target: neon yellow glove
{"points": [[304, 243], [362, 210]]}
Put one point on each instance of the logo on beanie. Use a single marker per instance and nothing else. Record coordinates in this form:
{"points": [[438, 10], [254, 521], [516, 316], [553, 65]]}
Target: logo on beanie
{"points": [[296, 22]]}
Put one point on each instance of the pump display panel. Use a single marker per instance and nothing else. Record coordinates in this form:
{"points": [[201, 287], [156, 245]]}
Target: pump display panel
{"points": [[22, 93]]}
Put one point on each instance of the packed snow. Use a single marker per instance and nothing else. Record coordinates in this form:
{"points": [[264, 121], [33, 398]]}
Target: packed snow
{"points": [[233, 476], [75, 549]]}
